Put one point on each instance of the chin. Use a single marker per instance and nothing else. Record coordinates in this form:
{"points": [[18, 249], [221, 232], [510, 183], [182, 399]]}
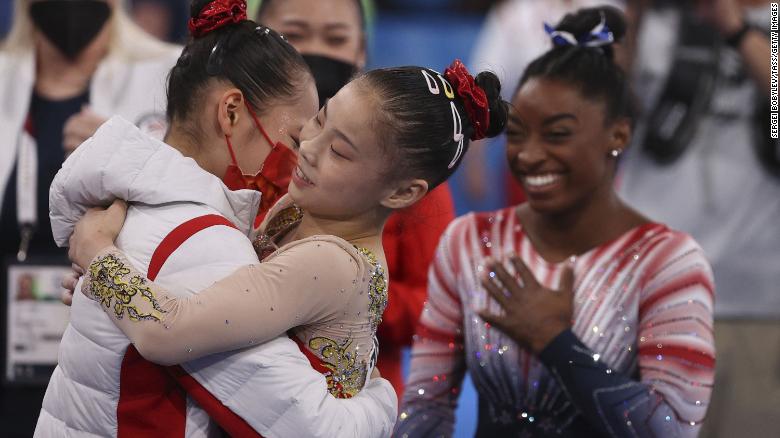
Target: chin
{"points": [[549, 206]]}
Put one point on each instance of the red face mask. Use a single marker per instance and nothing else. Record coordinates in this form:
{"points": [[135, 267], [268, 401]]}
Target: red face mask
{"points": [[274, 176]]}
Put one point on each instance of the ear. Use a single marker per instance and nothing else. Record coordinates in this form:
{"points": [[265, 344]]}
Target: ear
{"points": [[406, 194], [619, 135], [231, 104]]}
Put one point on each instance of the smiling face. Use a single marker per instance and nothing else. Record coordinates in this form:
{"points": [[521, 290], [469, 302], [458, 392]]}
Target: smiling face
{"points": [[559, 144], [341, 161]]}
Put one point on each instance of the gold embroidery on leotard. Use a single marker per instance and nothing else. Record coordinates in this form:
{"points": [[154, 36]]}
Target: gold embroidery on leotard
{"points": [[110, 287], [347, 376], [377, 289], [282, 222]]}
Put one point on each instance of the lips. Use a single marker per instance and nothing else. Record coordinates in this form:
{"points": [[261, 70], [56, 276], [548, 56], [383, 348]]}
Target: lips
{"points": [[298, 173]]}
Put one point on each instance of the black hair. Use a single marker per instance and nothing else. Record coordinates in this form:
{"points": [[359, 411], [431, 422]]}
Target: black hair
{"points": [[591, 69], [416, 125], [265, 4], [253, 58]]}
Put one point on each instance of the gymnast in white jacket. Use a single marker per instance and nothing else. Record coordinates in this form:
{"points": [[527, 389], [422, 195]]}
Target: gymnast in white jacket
{"points": [[188, 230]]}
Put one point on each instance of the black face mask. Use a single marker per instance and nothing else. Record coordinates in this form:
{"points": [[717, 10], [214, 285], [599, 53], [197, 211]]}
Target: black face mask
{"points": [[329, 74], [70, 25]]}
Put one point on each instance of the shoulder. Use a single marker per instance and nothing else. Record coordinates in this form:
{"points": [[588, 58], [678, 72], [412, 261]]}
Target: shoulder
{"points": [[329, 257], [480, 222], [182, 239], [675, 256], [135, 45], [669, 243]]}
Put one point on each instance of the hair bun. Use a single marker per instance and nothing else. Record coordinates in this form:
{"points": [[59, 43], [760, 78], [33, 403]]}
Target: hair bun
{"points": [[498, 108], [582, 23], [208, 16]]}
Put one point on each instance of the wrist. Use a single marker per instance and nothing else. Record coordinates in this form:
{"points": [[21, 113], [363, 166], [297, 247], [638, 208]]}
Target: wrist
{"points": [[736, 35], [98, 251], [546, 336]]}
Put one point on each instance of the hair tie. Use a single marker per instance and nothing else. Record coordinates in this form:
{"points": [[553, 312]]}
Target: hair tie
{"points": [[474, 98], [599, 36], [217, 14]]}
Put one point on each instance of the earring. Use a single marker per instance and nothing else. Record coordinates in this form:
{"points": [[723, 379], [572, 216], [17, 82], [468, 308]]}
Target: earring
{"points": [[615, 152]]}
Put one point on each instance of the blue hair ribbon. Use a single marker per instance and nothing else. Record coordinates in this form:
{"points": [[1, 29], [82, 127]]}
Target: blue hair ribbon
{"points": [[599, 36]]}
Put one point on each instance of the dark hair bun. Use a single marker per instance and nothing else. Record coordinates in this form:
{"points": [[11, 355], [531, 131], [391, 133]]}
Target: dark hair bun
{"points": [[581, 22], [489, 82]]}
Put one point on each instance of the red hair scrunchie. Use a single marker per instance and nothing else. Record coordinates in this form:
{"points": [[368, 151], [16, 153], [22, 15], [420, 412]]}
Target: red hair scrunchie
{"points": [[474, 98], [217, 14]]}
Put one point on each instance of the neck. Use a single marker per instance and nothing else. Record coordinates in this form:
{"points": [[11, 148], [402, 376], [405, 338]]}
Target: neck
{"points": [[597, 220], [58, 77], [183, 141], [366, 228]]}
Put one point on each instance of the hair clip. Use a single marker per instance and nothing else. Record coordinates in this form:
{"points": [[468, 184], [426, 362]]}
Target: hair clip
{"points": [[457, 134], [433, 86], [214, 63]]}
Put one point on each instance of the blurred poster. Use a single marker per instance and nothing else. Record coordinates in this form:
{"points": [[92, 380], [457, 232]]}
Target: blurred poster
{"points": [[35, 321]]}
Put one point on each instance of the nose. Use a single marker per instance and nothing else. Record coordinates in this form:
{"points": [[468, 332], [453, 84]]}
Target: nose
{"points": [[307, 151], [528, 156], [313, 45]]}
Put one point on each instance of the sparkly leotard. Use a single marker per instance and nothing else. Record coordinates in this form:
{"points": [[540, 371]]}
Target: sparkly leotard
{"points": [[324, 291], [637, 362]]}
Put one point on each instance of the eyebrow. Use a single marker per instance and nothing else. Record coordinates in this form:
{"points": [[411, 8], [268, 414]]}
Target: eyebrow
{"points": [[295, 22], [557, 117], [337, 26], [305, 24], [338, 131]]}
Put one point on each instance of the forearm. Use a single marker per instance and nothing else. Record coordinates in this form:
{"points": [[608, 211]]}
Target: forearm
{"points": [[317, 414], [755, 51], [167, 329], [295, 400], [431, 396], [612, 402]]}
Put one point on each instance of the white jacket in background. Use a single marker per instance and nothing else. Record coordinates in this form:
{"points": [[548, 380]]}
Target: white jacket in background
{"points": [[271, 386], [125, 84]]}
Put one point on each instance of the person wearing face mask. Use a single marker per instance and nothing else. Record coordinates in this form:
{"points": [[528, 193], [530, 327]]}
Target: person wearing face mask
{"points": [[238, 97], [331, 36], [65, 66]]}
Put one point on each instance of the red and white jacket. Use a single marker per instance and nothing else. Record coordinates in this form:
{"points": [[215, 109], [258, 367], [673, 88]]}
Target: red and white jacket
{"points": [[186, 229]]}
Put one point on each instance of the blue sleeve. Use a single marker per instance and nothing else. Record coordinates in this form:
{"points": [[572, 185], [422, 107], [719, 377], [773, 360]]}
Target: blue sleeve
{"points": [[612, 402]]}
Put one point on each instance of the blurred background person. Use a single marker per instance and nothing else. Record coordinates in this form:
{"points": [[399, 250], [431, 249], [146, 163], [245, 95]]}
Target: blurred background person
{"points": [[703, 162], [163, 19], [331, 36], [65, 66], [606, 326]]}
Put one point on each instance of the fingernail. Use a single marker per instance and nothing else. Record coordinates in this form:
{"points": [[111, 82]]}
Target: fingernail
{"points": [[573, 259]]}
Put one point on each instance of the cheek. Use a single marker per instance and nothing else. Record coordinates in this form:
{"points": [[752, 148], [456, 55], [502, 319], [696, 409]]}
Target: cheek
{"points": [[353, 183], [511, 152], [588, 165]]}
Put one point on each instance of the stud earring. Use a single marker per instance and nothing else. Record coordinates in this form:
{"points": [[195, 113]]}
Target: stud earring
{"points": [[615, 152]]}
